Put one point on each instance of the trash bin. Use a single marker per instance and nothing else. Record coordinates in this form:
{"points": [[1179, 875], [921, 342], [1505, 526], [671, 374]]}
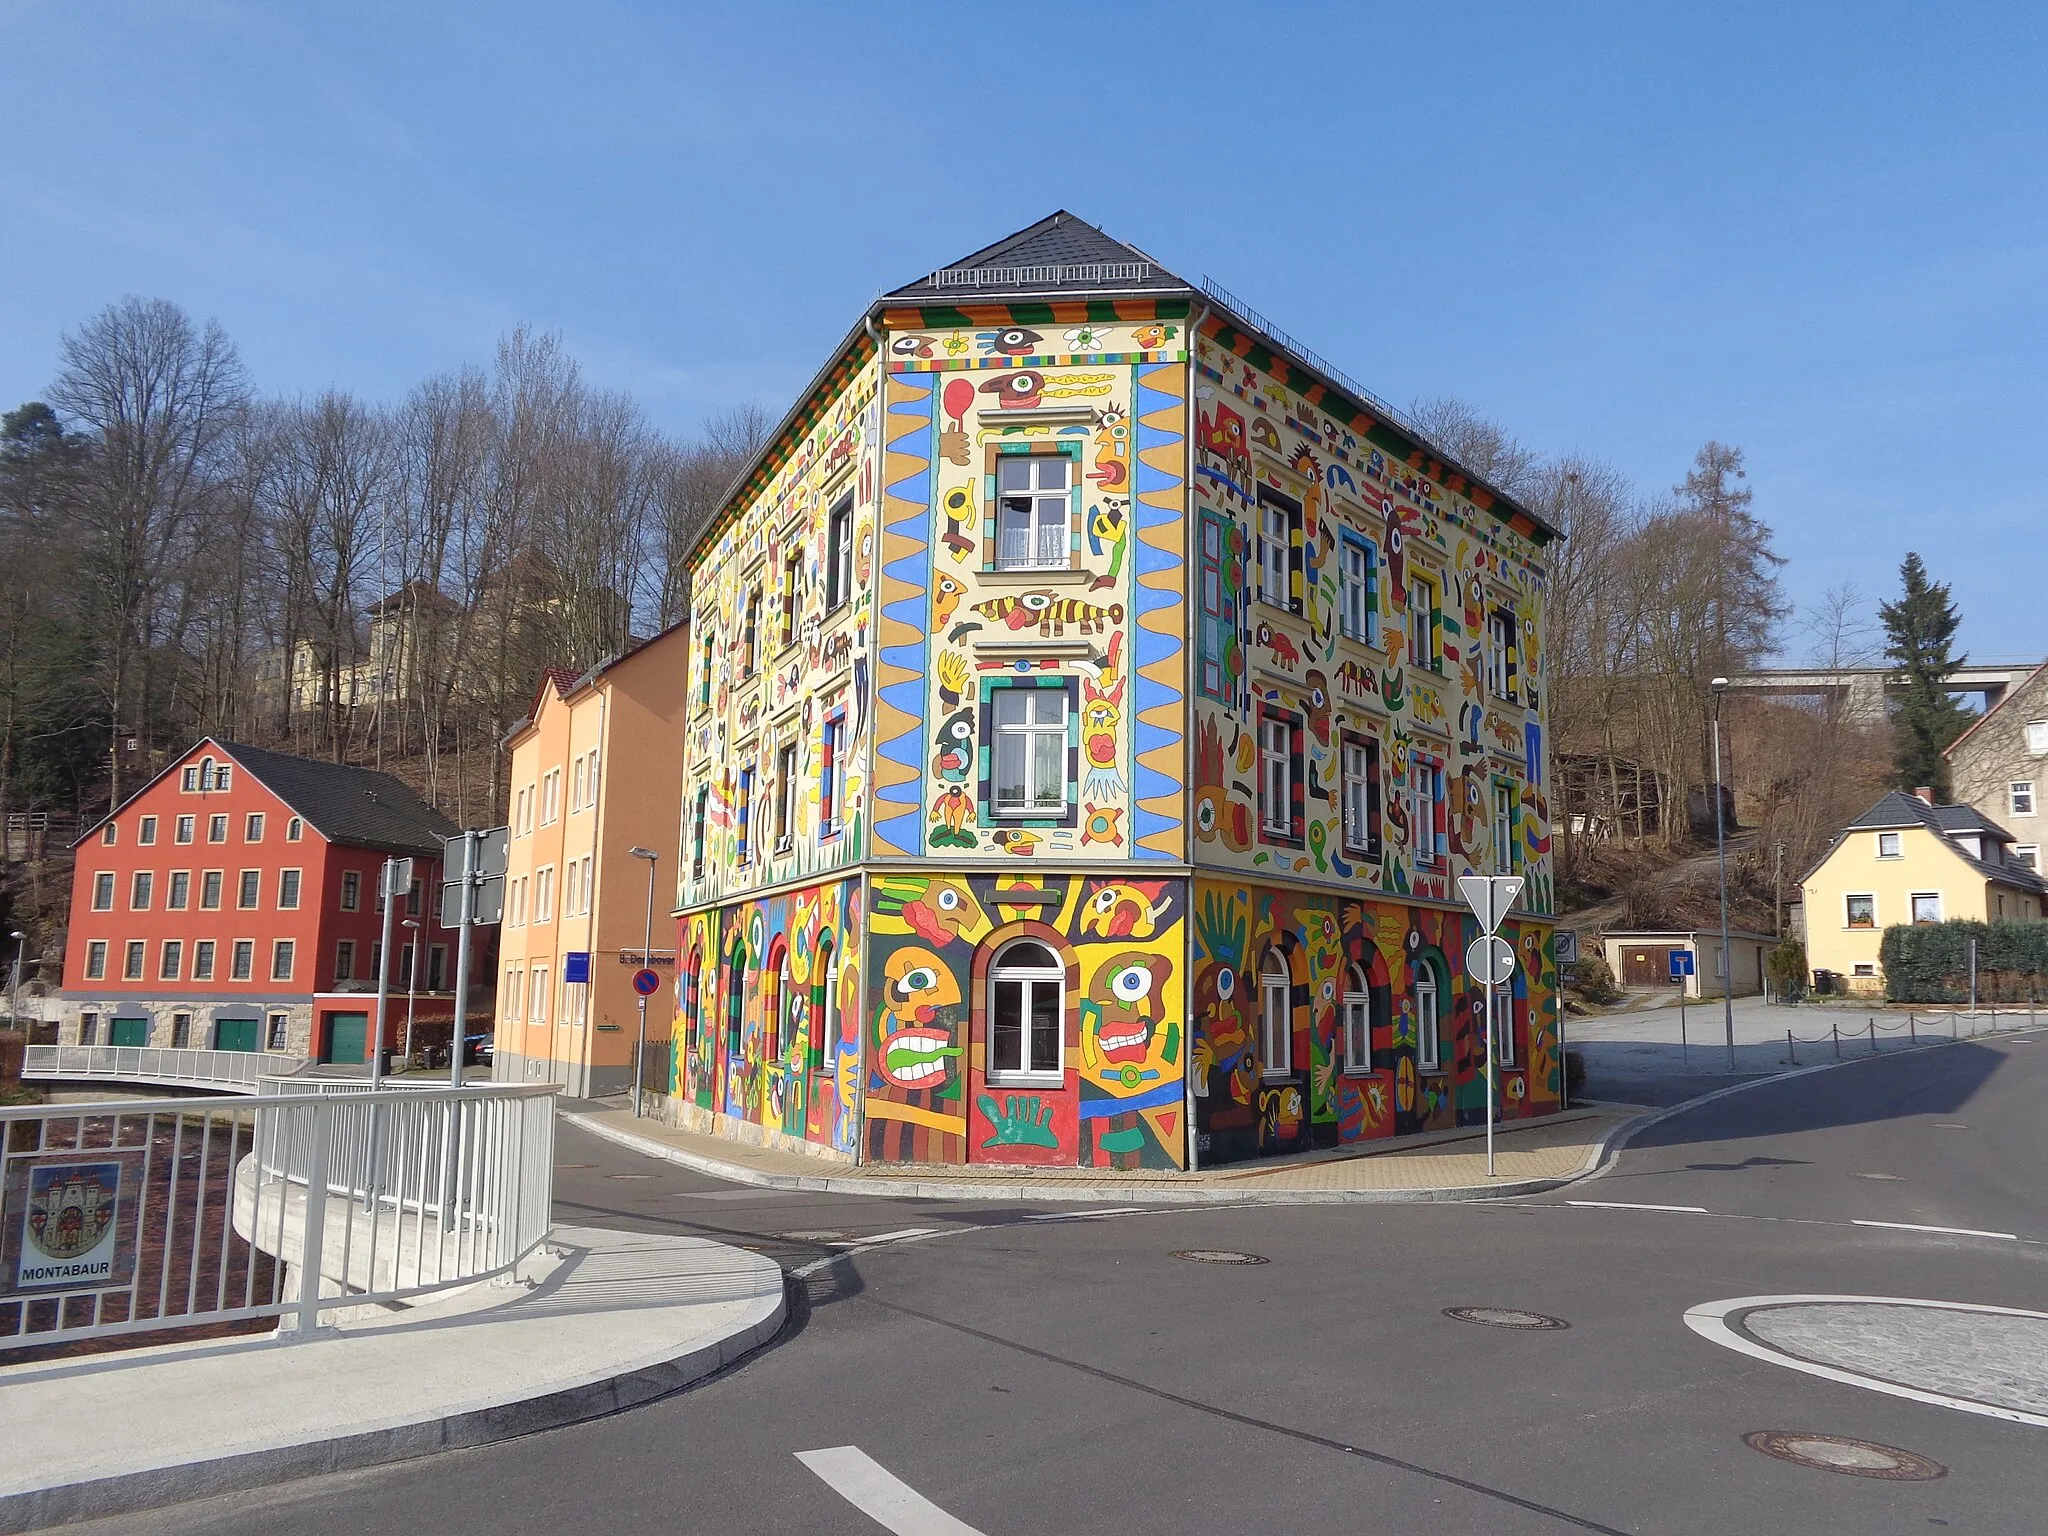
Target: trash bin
{"points": [[1826, 983]]}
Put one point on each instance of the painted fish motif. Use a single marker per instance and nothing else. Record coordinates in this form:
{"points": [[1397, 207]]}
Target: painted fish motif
{"points": [[1050, 612]]}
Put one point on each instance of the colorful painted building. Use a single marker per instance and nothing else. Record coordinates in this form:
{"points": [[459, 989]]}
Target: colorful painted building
{"points": [[1093, 701], [593, 775], [232, 904]]}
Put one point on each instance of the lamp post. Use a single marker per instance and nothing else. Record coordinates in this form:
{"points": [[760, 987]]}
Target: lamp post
{"points": [[1720, 687], [412, 975], [646, 944], [14, 980]]}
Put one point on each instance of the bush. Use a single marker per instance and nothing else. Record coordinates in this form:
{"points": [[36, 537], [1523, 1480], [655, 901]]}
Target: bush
{"points": [[1593, 979], [1786, 967], [1930, 963], [1574, 1076]]}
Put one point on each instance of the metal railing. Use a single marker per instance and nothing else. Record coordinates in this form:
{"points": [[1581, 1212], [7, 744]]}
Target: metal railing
{"points": [[225, 1215], [229, 1071]]}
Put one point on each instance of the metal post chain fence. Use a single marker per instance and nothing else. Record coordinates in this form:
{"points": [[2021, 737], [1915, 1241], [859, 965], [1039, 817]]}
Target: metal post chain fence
{"points": [[1910, 1028], [236, 1215]]}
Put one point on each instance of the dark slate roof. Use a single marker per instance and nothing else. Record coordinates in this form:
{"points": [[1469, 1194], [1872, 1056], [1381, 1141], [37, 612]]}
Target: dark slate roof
{"points": [[1899, 809], [1058, 254], [355, 806]]}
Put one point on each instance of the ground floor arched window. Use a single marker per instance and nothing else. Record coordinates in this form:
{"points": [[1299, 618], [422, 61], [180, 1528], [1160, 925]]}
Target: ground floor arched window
{"points": [[1026, 1011], [1428, 1025], [1276, 1036], [1357, 1021]]}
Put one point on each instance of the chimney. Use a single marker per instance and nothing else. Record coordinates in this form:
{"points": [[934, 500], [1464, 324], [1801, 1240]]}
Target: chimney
{"points": [[1924, 793]]}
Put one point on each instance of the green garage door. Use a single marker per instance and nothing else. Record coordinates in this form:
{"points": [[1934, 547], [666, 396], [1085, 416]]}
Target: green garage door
{"points": [[235, 1034], [131, 1032], [348, 1037]]}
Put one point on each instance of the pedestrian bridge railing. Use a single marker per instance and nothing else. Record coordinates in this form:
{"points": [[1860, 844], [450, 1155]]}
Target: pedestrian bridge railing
{"points": [[274, 1210], [157, 1066]]}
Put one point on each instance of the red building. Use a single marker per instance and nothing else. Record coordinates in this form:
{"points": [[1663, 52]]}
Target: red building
{"points": [[232, 903]]}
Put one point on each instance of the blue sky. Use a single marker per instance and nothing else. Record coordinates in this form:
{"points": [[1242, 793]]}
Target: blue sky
{"points": [[1819, 232]]}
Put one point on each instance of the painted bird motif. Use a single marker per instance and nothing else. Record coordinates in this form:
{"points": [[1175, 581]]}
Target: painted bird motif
{"points": [[1126, 909], [953, 751], [1022, 390], [1011, 341]]}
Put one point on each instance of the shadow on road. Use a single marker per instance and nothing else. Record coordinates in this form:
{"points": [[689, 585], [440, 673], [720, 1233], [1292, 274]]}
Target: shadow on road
{"points": [[1933, 1082]]}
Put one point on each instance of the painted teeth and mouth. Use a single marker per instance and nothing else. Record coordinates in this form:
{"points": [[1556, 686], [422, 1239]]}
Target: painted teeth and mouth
{"points": [[1127, 1045], [913, 1057]]}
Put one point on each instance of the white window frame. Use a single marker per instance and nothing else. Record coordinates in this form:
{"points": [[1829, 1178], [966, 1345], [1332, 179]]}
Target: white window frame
{"points": [[1357, 1020], [551, 797], [1277, 521], [1356, 560], [2037, 737], [1276, 1017], [1505, 804], [1500, 620], [1355, 759], [1026, 736], [1425, 790], [1891, 845], [1429, 1042], [1041, 514], [839, 553], [1277, 745], [544, 894], [2019, 797], [514, 975], [2027, 855], [785, 796], [1849, 923], [1028, 980], [1422, 630], [538, 997]]}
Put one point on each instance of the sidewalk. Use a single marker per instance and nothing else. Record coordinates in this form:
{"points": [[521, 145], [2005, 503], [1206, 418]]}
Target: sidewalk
{"points": [[616, 1319], [1530, 1156]]}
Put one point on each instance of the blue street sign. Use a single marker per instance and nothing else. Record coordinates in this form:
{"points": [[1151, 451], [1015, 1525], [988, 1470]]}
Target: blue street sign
{"points": [[1681, 964], [576, 966]]}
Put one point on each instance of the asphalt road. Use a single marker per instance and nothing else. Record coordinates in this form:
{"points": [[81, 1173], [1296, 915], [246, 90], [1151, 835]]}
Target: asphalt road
{"points": [[1073, 1375]]}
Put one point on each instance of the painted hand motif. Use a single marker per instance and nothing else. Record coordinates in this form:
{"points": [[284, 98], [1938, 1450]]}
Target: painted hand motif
{"points": [[1019, 1121]]}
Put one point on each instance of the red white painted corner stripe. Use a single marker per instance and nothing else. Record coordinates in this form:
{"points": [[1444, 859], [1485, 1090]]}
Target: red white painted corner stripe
{"points": [[879, 1494]]}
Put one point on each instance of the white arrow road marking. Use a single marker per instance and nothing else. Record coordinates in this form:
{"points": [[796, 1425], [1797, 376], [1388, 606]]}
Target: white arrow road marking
{"points": [[1618, 1205], [1914, 1226], [879, 1494]]}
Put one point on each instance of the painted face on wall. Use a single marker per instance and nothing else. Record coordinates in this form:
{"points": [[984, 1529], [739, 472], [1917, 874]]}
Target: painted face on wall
{"points": [[920, 1007], [1129, 1039]]}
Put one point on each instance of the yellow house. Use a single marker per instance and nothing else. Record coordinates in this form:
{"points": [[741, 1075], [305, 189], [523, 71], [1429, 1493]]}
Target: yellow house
{"points": [[1908, 860], [595, 770]]}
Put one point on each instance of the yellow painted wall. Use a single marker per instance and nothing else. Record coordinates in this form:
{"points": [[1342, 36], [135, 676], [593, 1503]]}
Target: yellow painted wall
{"points": [[1926, 862]]}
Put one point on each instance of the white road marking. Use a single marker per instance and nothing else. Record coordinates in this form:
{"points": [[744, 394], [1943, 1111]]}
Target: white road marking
{"points": [[732, 1194], [1115, 1210], [1710, 1322], [1622, 1205], [879, 1494], [887, 1237], [1914, 1226]]}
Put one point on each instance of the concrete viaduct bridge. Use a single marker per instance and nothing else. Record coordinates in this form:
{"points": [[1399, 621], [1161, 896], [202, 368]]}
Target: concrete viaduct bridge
{"points": [[1863, 690]]}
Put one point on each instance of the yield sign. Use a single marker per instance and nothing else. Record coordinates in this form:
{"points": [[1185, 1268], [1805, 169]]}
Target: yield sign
{"points": [[1489, 897]]}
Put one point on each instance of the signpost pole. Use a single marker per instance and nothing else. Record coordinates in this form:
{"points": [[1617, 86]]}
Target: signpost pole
{"points": [[1492, 1074], [384, 883], [464, 913]]}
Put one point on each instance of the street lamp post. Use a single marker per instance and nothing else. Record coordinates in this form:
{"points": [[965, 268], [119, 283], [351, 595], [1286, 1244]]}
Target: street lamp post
{"points": [[14, 980], [412, 974], [646, 946], [1720, 687]]}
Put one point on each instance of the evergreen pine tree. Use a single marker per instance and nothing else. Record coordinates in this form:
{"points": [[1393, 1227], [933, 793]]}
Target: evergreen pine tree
{"points": [[1918, 629]]}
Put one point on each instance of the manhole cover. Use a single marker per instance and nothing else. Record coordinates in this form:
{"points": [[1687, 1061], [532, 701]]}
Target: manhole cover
{"points": [[1505, 1317], [1837, 1453], [1217, 1256]]}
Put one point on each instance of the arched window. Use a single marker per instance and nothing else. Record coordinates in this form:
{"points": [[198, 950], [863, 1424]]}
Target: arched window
{"points": [[690, 1001], [1357, 1022], [1276, 1037], [1428, 1037], [796, 1010], [825, 1017], [1026, 1014], [771, 1009], [736, 1007]]}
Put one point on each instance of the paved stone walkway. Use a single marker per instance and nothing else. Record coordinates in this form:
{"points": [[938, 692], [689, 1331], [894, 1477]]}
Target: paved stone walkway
{"points": [[1529, 1154]]}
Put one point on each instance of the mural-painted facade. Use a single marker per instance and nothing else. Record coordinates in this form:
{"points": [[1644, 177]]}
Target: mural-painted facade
{"points": [[1051, 677]]}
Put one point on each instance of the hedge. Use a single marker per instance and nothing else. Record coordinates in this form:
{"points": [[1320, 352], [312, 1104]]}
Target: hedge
{"points": [[1930, 962]]}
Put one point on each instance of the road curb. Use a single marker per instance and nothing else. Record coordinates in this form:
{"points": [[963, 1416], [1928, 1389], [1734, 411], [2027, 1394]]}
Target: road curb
{"points": [[155, 1488], [1133, 1194]]}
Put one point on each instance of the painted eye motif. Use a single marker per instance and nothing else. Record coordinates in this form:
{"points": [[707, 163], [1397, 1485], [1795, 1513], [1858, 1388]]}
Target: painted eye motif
{"points": [[920, 979], [1329, 991], [1205, 815], [1025, 383], [1226, 984], [1104, 900], [949, 900], [1131, 983], [1036, 601], [959, 730], [1316, 698], [910, 346]]}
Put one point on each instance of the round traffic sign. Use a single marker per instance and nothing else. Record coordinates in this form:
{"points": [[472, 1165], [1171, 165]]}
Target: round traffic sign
{"points": [[646, 983], [1490, 959]]}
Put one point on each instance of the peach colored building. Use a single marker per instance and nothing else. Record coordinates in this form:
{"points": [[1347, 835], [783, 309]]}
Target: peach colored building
{"points": [[597, 770]]}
